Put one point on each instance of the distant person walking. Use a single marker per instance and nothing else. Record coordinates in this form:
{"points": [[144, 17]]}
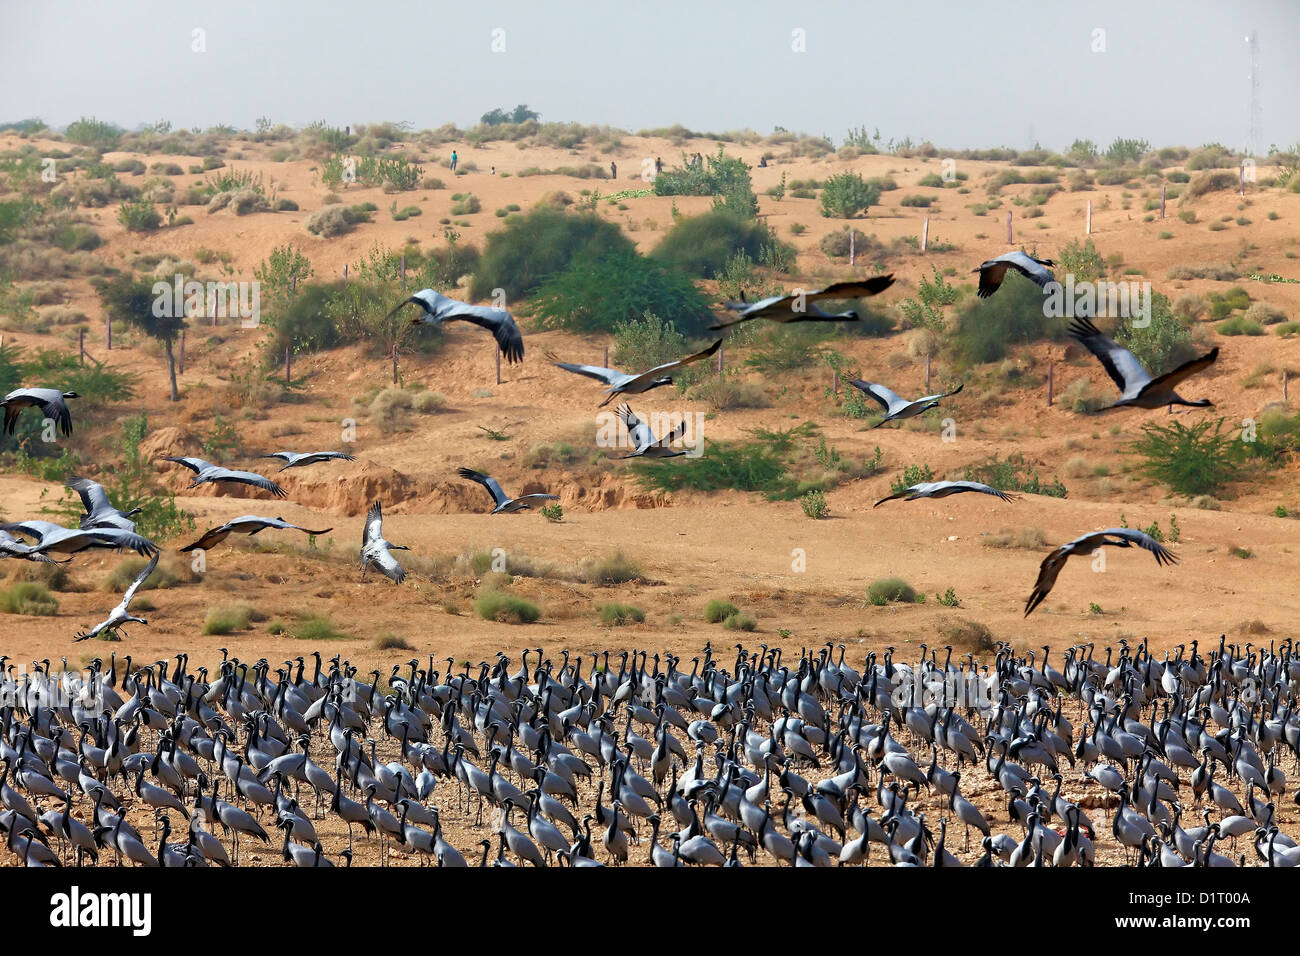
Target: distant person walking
{"points": [[659, 165], [453, 160], [613, 170]]}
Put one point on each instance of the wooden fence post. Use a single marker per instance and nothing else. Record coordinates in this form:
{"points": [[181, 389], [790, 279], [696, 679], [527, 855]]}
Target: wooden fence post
{"points": [[835, 381], [182, 368], [1285, 375], [720, 351], [1087, 229], [288, 376], [925, 233], [108, 331], [606, 356], [394, 363], [498, 354], [927, 371], [403, 266], [1241, 178], [1051, 380], [345, 272], [852, 247], [1163, 190], [1008, 227], [81, 345]]}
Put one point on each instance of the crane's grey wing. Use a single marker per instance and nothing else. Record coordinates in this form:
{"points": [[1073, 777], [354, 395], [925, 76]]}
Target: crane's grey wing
{"points": [[249, 478], [1029, 267], [854, 288], [1171, 380], [905, 493], [1120, 364], [195, 465], [497, 321], [487, 482], [935, 398], [659, 370], [58, 410], [387, 564], [638, 432], [991, 275], [93, 632], [140, 578], [34, 529], [884, 396], [607, 375], [93, 497], [960, 486], [284, 525], [427, 300], [120, 540], [676, 433], [373, 530], [1143, 540], [537, 497], [210, 538], [1048, 572]]}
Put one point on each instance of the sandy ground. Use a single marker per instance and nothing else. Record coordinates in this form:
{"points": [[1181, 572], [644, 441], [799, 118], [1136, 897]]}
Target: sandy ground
{"points": [[692, 548]]}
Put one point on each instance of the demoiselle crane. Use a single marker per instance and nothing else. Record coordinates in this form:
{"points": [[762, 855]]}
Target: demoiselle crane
{"points": [[1087, 544], [644, 444], [207, 473], [121, 615], [1137, 387], [51, 402], [621, 382], [56, 539], [438, 308], [994, 270], [376, 550], [293, 459], [896, 407], [794, 307], [503, 503], [942, 489], [246, 524], [100, 512]]}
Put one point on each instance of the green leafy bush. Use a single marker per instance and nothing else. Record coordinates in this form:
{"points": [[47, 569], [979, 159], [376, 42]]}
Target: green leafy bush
{"points": [[846, 194], [1015, 474], [334, 220], [617, 289], [814, 504], [540, 244], [616, 615], [1191, 460], [30, 598], [646, 342], [226, 619], [718, 610], [139, 216], [986, 329], [1163, 343], [94, 133], [717, 176], [495, 605], [887, 590], [702, 245], [912, 475]]}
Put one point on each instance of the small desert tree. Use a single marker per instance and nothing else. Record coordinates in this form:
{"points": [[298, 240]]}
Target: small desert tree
{"points": [[280, 274], [846, 194], [134, 302]]}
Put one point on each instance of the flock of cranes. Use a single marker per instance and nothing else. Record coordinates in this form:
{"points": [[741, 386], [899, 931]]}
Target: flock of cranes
{"points": [[628, 757], [807, 762]]}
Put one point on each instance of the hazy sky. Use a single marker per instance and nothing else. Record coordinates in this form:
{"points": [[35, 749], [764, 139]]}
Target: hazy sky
{"points": [[957, 72]]}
